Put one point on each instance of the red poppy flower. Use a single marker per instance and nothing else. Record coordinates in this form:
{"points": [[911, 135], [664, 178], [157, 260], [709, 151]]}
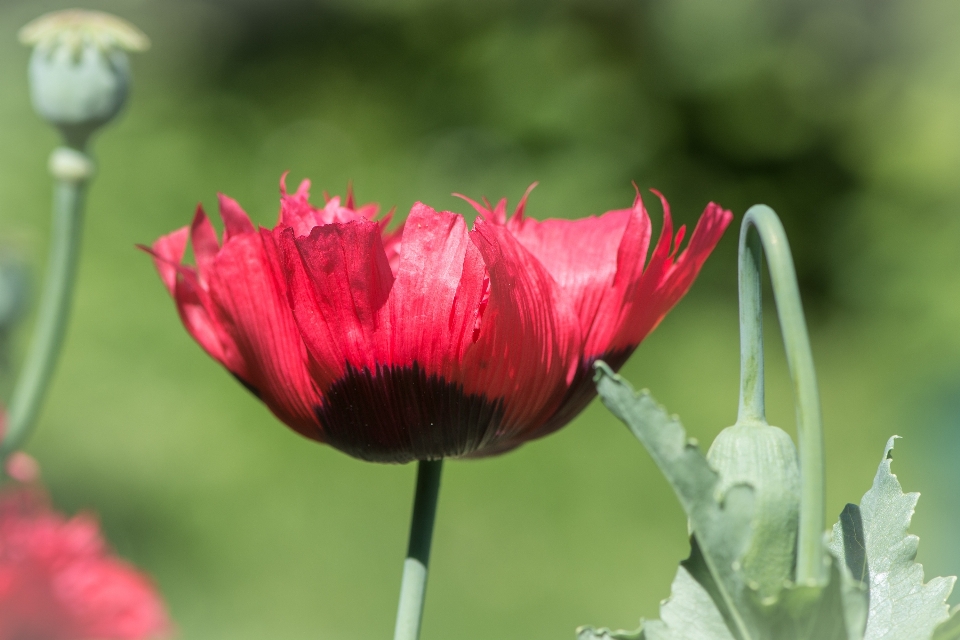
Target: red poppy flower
{"points": [[58, 581], [429, 341]]}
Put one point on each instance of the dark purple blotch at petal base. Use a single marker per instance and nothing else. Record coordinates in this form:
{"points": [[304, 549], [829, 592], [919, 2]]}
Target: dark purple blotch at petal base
{"points": [[582, 390], [246, 385], [400, 414]]}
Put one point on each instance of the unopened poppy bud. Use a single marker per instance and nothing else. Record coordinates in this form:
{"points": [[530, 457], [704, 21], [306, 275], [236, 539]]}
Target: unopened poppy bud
{"points": [[79, 70], [765, 458]]}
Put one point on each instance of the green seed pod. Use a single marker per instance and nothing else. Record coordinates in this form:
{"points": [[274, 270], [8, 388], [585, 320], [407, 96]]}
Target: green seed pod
{"points": [[79, 71], [765, 458]]}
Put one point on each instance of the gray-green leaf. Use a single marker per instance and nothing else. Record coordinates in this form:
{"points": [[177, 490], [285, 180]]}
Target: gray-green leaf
{"points": [[721, 526], [902, 607], [688, 614]]}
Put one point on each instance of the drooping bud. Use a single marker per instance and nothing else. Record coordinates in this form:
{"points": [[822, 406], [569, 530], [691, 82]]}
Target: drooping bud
{"points": [[79, 70], [765, 458]]}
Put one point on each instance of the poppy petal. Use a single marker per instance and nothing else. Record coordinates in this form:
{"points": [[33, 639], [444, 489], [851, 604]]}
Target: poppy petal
{"points": [[199, 317], [297, 212], [647, 299], [167, 254], [192, 301], [529, 336], [203, 238], [338, 279], [581, 255], [438, 285], [408, 402], [250, 295], [235, 219]]}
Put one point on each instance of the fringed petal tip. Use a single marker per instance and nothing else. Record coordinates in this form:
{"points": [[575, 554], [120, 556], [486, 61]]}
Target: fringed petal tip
{"points": [[235, 219], [303, 189], [715, 218], [498, 213], [479, 208], [709, 229], [646, 298], [707, 232], [167, 253], [297, 212]]}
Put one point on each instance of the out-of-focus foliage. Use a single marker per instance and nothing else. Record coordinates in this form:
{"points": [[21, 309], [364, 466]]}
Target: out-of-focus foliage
{"points": [[840, 114]]}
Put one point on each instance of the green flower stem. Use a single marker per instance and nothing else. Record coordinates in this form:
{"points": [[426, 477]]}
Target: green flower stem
{"points": [[770, 238], [413, 586], [751, 330], [72, 170]]}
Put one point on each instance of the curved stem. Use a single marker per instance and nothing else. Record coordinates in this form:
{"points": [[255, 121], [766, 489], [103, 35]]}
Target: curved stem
{"points": [[769, 233], [413, 586], [72, 170], [751, 329]]}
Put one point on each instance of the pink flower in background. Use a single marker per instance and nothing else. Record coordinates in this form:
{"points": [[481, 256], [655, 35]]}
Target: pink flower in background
{"points": [[58, 580]]}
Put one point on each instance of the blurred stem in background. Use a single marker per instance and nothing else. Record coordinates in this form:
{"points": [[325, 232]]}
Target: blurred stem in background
{"points": [[79, 80], [14, 297], [413, 586], [72, 170]]}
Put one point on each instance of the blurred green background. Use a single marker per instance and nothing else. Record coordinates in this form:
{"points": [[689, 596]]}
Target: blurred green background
{"points": [[844, 115]]}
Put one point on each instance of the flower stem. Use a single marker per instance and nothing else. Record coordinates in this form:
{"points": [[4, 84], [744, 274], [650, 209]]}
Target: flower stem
{"points": [[751, 330], [771, 238], [413, 586], [72, 170]]}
